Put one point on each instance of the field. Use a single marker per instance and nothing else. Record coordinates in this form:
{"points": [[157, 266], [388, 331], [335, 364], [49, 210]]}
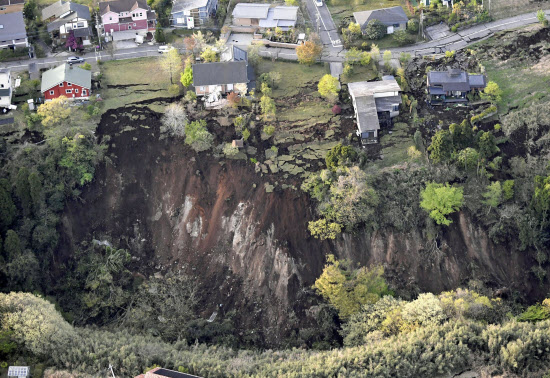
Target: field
{"points": [[509, 8], [133, 80], [295, 78]]}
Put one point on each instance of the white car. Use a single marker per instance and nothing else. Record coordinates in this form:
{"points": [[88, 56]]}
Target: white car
{"points": [[165, 49], [319, 3]]}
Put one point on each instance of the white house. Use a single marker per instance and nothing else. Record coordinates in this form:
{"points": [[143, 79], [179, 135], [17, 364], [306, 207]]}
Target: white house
{"points": [[374, 102], [5, 88], [66, 18], [12, 31]]}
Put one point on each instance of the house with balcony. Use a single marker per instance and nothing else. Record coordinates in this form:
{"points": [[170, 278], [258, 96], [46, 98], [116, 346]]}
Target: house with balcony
{"points": [[453, 86], [192, 13], [75, 83], [13, 34], [10, 6], [123, 15], [375, 104], [5, 88], [67, 17]]}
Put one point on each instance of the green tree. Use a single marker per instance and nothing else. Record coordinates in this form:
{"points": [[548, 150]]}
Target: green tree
{"points": [[159, 35], [468, 158], [329, 87], [323, 229], [29, 10], [80, 156], [541, 197], [493, 195], [441, 148], [347, 289], [402, 38], [375, 29], [8, 210], [22, 190], [246, 134], [186, 78], [412, 25], [507, 190], [366, 59], [171, 63], [492, 92], [230, 150], [12, 245], [209, 55], [35, 189], [268, 107], [340, 156], [441, 200], [541, 16], [197, 135], [487, 144]]}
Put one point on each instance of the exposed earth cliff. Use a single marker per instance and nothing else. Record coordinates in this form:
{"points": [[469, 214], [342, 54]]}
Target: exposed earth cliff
{"points": [[248, 249]]}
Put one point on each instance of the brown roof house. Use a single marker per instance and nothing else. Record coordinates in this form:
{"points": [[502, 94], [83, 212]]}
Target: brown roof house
{"points": [[393, 18]]}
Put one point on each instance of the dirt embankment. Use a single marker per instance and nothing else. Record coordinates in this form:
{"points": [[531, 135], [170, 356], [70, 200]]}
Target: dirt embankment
{"points": [[250, 250]]}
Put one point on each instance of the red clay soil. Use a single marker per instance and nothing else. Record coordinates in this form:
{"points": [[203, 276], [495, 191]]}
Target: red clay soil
{"points": [[250, 250]]}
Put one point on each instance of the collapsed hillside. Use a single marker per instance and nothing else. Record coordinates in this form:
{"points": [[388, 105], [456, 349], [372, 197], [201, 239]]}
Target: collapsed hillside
{"points": [[249, 250]]}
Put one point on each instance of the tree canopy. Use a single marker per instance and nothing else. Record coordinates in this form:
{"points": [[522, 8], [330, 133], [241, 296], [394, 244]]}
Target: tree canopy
{"points": [[441, 200]]}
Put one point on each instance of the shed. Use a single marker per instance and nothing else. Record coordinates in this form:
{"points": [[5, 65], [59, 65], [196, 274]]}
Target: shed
{"points": [[19, 371], [239, 143]]}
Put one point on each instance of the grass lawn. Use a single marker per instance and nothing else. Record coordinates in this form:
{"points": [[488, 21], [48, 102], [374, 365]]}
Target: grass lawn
{"points": [[521, 86], [307, 113], [360, 73], [295, 78], [395, 146], [137, 80], [341, 9]]}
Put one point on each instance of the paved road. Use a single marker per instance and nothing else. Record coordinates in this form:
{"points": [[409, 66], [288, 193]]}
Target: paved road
{"points": [[136, 52]]}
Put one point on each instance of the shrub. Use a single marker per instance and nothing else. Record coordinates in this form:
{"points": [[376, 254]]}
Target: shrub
{"points": [[336, 109], [246, 134], [375, 29], [197, 136], [269, 130], [329, 87], [230, 150], [412, 25], [441, 200]]}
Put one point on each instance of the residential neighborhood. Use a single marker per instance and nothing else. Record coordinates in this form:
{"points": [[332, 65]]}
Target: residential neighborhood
{"points": [[66, 18]]}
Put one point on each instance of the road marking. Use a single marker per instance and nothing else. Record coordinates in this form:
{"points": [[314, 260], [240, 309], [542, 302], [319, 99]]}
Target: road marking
{"points": [[323, 22]]}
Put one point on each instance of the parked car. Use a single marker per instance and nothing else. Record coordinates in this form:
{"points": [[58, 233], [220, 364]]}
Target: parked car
{"points": [[74, 59], [319, 3], [165, 49]]}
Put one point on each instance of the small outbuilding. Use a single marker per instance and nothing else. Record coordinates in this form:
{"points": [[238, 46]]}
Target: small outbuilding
{"points": [[239, 143], [19, 372]]}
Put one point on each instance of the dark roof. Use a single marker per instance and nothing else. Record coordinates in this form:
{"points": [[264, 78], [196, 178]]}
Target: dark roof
{"points": [[11, 2], [220, 73], [13, 26], [151, 15], [82, 32], [239, 54], [385, 15], [385, 104], [454, 80], [173, 374], [118, 6]]}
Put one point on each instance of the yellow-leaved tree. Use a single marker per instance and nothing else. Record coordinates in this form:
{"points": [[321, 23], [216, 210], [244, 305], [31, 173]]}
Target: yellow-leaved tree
{"points": [[55, 111]]}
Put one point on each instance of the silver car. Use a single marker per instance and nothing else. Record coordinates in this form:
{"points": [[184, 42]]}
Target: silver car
{"points": [[74, 59]]}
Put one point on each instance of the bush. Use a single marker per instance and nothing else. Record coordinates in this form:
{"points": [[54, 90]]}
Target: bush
{"points": [[375, 30], [197, 136], [412, 25], [441, 200]]}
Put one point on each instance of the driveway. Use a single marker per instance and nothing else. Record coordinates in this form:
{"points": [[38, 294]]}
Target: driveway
{"points": [[322, 20], [438, 31]]}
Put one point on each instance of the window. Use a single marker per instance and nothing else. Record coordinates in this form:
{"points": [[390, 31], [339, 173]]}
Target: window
{"points": [[395, 107], [61, 84], [134, 24], [51, 92], [76, 91], [84, 92], [1, 85], [80, 25], [140, 14], [110, 19], [202, 89], [395, 25], [68, 91], [129, 27], [69, 85]]}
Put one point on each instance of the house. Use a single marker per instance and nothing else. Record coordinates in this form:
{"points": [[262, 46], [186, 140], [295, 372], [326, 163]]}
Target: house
{"points": [[189, 13], [19, 371], [220, 77], [65, 80], [452, 85], [264, 16], [393, 18], [375, 104], [5, 88], [121, 15], [10, 6], [159, 372], [67, 17], [239, 143], [12, 31]]}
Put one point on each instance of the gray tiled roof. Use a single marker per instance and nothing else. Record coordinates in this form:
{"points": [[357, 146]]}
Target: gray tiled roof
{"points": [[64, 72], [13, 26], [393, 15], [367, 116], [118, 6], [82, 32], [59, 8], [244, 10], [477, 81], [11, 2], [220, 73]]}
